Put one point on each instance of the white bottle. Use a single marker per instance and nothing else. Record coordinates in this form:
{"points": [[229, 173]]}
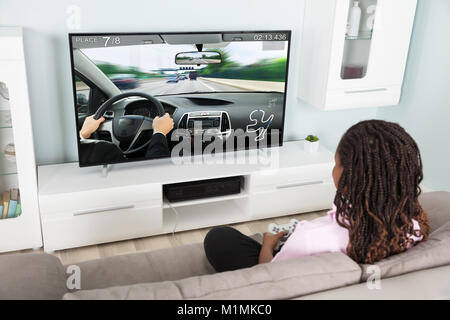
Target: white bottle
{"points": [[354, 20]]}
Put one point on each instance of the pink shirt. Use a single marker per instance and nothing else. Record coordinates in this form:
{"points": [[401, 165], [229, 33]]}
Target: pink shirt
{"points": [[320, 235]]}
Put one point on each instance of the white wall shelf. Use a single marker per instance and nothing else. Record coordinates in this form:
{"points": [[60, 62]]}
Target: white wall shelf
{"points": [[19, 171], [338, 71]]}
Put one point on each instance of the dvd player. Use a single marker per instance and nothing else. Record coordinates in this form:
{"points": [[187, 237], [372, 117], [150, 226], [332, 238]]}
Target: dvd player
{"points": [[199, 189]]}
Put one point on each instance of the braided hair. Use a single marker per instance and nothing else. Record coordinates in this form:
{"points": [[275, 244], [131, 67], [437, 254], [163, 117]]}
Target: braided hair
{"points": [[377, 193]]}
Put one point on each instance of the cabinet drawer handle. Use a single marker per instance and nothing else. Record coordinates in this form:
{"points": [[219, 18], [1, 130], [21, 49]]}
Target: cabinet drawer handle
{"points": [[90, 211], [365, 91], [299, 184]]}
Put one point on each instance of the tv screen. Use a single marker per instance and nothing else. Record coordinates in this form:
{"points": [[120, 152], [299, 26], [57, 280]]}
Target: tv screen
{"points": [[223, 91]]}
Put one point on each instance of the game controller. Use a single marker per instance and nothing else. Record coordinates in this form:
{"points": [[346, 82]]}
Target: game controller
{"points": [[288, 228]]}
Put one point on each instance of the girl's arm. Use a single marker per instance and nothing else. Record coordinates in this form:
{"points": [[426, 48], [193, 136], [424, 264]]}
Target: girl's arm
{"points": [[269, 243]]}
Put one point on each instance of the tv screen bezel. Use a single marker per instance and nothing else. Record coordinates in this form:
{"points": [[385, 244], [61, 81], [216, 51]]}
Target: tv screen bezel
{"points": [[141, 159]]}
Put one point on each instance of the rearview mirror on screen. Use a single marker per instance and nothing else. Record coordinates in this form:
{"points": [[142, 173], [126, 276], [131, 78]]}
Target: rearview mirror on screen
{"points": [[194, 58]]}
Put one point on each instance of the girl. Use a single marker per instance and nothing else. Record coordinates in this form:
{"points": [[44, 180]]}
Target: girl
{"points": [[376, 210]]}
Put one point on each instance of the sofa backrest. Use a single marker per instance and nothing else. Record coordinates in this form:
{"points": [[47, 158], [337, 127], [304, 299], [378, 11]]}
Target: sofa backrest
{"points": [[429, 284], [154, 266], [434, 252], [280, 280], [437, 206]]}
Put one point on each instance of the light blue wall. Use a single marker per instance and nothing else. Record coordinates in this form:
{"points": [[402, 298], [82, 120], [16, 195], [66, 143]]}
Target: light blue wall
{"points": [[424, 110], [48, 63], [50, 88]]}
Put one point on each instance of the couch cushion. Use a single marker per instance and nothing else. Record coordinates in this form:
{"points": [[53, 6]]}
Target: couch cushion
{"points": [[276, 280], [434, 252], [31, 276], [437, 206], [160, 265]]}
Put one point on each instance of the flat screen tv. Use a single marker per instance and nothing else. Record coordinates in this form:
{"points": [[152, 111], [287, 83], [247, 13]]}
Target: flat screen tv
{"points": [[224, 91]]}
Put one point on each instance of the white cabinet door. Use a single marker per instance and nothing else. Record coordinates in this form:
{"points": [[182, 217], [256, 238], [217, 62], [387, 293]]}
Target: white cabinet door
{"points": [[388, 47], [339, 71], [24, 230]]}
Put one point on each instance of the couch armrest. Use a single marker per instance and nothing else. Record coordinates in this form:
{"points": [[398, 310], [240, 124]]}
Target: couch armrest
{"points": [[31, 276]]}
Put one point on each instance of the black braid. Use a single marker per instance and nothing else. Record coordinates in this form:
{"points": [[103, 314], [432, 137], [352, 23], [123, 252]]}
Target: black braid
{"points": [[377, 195]]}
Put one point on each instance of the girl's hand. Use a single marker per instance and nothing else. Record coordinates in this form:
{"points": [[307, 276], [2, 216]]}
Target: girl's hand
{"points": [[270, 240]]}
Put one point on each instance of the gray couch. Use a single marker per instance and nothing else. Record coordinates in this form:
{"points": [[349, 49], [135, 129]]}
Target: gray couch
{"points": [[423, 272]]}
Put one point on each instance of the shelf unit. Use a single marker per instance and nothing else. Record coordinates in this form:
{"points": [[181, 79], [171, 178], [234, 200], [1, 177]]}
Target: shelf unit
{"points": [[17, 161], [241, 195], [357, 49], [342, 72], [194, 214], [205, 214], [7, 159]]}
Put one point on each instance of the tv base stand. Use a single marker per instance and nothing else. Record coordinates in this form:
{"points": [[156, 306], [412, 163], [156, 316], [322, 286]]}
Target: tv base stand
{"points": [[79, 208], [105, 169]]}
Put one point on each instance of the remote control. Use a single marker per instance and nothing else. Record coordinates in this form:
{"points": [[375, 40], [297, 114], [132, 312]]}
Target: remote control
{"points": [[288, 228]]}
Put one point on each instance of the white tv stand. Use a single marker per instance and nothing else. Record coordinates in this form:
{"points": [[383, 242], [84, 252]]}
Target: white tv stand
{"points": [[80, 206]]}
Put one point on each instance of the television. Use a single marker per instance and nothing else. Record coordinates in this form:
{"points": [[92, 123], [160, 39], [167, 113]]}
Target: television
{"points": [[225, 91]]}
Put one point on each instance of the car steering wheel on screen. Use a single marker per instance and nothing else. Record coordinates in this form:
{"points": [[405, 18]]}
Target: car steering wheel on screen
{"points": [[127, 128]]}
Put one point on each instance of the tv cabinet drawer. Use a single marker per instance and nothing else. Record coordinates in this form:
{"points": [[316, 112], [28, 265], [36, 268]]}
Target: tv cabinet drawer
{"points": [[91, 201], [292, 199], [275, 179], [74, 230]]}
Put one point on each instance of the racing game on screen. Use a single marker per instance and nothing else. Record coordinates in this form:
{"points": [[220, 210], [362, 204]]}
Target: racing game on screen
{"points": [[211, 84]]}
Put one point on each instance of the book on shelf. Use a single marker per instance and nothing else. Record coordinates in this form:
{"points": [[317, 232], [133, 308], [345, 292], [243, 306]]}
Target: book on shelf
{"points": [[18, 210], [13, 200], [5, 201], [10, 204]]}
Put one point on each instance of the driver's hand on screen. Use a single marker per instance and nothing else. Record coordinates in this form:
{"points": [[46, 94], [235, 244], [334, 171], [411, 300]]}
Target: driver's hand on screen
{"points": [[163, 124], [90, 125]]}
